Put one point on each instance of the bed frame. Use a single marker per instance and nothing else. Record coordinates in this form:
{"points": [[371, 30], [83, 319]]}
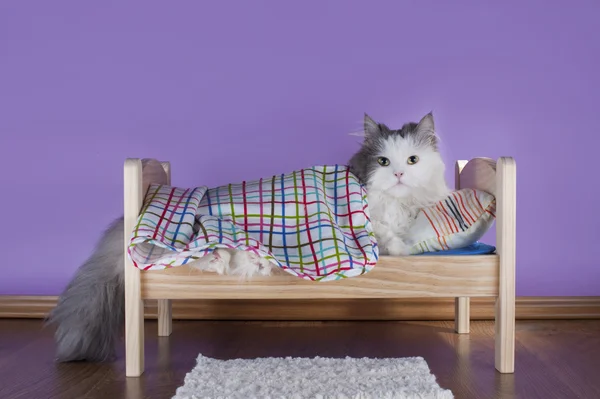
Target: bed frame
{"points": [[459, 277]]}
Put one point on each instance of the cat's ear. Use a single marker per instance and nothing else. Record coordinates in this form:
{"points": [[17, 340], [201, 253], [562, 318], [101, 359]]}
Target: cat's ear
{"points": [[371, 127], [426, 129], [426, 125]]}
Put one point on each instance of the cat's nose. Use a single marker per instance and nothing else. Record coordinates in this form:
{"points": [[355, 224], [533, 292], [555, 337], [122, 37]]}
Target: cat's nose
{"points": [[399, 174]]}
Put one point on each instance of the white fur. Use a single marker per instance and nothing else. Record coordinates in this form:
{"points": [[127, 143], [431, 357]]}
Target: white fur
{"points": [[394, 202], [234, 262]]}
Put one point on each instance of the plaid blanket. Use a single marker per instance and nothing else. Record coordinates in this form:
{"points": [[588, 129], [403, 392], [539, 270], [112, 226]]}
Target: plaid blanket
{"points": [[313, 223]]}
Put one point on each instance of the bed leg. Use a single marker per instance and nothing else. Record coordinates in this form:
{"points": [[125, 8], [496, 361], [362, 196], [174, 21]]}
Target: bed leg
{"points": [[462, 309], [134, 304], [462, 315], [165, 323], [134, 324], [506, 249], [165, 319]]}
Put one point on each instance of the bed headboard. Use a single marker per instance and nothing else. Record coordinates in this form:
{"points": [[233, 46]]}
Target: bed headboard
{"points": [[478, 173], [156, 172]]}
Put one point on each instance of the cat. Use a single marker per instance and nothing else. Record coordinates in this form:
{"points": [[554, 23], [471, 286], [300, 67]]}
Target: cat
{"points": [[402, 171]]}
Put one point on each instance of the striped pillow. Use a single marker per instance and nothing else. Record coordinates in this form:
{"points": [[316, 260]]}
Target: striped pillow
{"points": [[458, 221]]}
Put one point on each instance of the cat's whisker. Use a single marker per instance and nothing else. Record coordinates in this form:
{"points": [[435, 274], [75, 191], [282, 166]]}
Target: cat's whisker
{"points": [[357, 134]]}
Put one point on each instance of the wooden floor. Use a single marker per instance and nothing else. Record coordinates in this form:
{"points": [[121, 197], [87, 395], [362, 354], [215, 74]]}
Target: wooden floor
{"points": [[555, 359]]}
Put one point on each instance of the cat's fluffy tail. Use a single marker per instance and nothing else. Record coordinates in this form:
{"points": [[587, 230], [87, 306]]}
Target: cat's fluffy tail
{"points": [[90, 312]]}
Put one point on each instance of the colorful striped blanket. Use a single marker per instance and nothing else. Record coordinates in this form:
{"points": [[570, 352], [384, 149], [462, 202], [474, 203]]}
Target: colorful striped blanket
{"points": [[313, 223]]}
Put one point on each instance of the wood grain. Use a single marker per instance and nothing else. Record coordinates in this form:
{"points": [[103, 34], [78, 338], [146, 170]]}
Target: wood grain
{"points": [[393, 277], [136, 182], [138, 176], [527, 308], [462, 305], [462, 314], [480, 174], [165, 308], [164, 314], [506, 219], [556, 359]]}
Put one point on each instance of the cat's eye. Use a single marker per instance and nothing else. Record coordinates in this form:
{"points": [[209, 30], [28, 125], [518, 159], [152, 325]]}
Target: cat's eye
{"points": [[383, 161], [413, 159]]}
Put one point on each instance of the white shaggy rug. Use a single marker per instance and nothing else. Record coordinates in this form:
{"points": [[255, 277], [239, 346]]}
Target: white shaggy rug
{"points": [[318, 378]]}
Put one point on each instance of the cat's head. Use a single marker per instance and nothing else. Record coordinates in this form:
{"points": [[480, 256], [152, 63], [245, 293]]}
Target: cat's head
{"points": [[400, 162]]}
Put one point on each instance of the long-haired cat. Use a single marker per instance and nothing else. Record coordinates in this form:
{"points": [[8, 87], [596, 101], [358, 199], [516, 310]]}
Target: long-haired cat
{"points": [[403, 172], [401, 169]]}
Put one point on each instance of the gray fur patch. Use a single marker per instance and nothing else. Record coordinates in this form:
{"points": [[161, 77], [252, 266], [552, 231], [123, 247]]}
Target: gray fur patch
{"points": [[89, 315], [364, 162]]}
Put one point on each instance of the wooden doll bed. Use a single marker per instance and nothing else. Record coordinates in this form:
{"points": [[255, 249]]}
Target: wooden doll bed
{"points": [[452, 276]]}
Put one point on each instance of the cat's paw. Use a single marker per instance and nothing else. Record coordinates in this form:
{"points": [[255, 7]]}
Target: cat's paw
{"points": [[216, 262], [221, 261], [265, 266], [248, 264], [244, 264]]}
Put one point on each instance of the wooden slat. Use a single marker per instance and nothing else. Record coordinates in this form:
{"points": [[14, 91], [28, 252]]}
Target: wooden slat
{"points": [[462, 318], [165, 317], [528, 308], [165, 308], [400, 277], [27, 306], [461, 304], [506, 197], [134, 306]]}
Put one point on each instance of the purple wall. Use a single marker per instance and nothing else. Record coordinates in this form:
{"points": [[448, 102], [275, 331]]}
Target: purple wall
{"points": [[238, 91]]}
